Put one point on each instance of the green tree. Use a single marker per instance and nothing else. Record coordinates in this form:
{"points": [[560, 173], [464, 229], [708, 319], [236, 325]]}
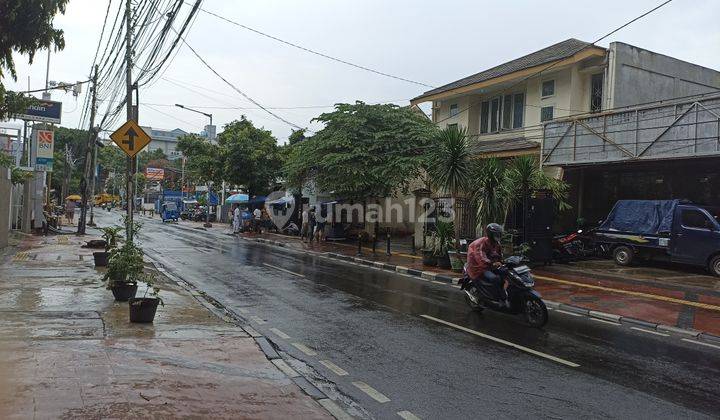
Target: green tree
{"points": [[67, 167], [364, 151], [250, 156], [25, 27], [113, 164], [203, 159], [296, 136]]}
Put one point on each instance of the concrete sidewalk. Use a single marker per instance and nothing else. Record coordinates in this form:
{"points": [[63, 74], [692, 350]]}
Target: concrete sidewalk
{"points": [[67, 349], [645, 294]]}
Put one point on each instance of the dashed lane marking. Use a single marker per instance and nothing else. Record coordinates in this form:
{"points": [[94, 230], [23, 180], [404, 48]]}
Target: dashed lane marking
{"points": [[604, 321], [258, 320], [567, 312], [305, 349], [333, 367], [279, 333], [283, 270], [505, 342], [633, 293], [407, 415], [372, 392], [650, 331], [701, 343]]}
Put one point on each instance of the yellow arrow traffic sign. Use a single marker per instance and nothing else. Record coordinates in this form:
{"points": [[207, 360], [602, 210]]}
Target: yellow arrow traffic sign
{"points": [[131, 138]]}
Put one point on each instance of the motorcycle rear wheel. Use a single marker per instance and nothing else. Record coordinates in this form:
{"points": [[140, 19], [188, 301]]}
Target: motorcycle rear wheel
{"points": [[535, 311], [477, 307]]}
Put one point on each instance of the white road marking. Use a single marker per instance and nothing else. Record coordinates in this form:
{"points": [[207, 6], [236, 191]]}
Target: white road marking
{"points": [[333, 367], [604, 321], [257, 320], [283, 270], [701, 343], [407, 415], [279, 333], [305, 349], [649, 331], [280, 363], [372, 392], [334, 409], [438, 282], [501, 341], [567, 312], [455, 286]]}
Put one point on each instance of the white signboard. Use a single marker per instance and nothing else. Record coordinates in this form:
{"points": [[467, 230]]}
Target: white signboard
{"points": [[45, 146]]}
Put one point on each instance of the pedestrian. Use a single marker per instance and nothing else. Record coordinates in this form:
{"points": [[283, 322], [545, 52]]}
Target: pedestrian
{"points": [[236, 218], [320, 226], [257, 216], [70, 211], [312, 221], [305, 225]]}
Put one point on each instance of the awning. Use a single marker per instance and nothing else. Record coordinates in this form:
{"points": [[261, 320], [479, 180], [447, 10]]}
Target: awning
{"points": [[282, 201], [504, 147], [237, 198]]}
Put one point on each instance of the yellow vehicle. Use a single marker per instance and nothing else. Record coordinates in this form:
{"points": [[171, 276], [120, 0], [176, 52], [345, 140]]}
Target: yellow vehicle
{"points": [[106, 198]]}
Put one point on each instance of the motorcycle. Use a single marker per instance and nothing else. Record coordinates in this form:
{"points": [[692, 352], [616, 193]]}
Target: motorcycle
{"points": [[572, 246], [522, 298]]}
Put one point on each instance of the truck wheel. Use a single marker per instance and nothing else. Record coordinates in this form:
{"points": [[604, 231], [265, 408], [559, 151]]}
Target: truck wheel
{"points": [[714, 266], [623, 255]]}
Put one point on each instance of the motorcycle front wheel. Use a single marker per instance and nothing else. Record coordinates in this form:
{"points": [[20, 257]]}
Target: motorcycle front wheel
{"points": [[536, 313]]}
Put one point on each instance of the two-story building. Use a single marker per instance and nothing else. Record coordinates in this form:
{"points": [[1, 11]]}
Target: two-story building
{"points": [[504, 108], [166, 140]]}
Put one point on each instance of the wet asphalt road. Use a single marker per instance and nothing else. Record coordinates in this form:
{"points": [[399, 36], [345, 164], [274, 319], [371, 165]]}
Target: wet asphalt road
{"points": [[369, 323]]}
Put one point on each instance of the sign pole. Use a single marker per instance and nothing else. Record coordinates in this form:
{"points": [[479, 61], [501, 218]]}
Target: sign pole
{"points": [[129, 196]]}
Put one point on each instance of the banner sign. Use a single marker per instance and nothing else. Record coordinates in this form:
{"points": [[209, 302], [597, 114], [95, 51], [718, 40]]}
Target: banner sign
{"points": [[44, 155], [45, 111], [154, 174]]}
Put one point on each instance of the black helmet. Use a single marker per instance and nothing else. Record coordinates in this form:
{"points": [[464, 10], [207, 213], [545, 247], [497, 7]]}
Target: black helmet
{"points": [[494, 231]]}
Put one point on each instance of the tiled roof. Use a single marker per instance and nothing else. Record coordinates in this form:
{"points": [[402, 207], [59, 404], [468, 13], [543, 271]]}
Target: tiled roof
{"points": [[549, 54], [503, 145]]}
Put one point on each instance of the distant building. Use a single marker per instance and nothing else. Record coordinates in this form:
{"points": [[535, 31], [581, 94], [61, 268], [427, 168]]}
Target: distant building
{"points": [[166, 140]]}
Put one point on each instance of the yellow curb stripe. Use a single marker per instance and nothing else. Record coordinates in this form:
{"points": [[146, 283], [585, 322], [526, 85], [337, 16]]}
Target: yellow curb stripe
{"points": [[631, 293]]}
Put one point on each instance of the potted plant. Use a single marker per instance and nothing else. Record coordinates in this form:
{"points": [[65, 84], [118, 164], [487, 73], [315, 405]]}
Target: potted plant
{"points": [[143, 309], [444, 240], [124, 269], [111, 235]]}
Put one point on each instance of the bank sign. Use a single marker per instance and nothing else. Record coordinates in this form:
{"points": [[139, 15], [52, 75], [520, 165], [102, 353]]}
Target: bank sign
{"points": [[45, 145], [45, 111]]}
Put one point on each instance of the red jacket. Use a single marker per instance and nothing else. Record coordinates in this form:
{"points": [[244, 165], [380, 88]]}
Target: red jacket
{"points": [[481, 254]]}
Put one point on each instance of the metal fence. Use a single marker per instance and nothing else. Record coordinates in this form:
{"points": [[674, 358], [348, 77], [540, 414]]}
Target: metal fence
{"points": [[679, 130]]}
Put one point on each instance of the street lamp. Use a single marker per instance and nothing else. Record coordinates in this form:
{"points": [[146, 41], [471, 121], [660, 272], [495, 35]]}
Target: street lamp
{"points": [[207, 215]]}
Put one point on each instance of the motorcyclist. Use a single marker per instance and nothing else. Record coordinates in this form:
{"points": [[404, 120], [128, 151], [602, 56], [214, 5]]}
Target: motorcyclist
{"points": [[485, 257]]}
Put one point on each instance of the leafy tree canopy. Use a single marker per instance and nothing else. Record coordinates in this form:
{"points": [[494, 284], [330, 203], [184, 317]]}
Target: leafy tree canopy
{"points": [[203, 159], [363, 151], [250, 156]]}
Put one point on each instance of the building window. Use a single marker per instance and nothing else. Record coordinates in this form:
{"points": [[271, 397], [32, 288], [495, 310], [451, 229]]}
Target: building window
{"points": [[507, 112], [452, 126], [546, 113], [548, 88], [454, 110], [596, 92], [484, 116], [518, 110], [495, 115]]}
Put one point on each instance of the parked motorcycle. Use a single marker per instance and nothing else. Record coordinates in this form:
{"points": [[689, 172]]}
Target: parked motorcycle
{"points": [[523, 299], [572, 247]]}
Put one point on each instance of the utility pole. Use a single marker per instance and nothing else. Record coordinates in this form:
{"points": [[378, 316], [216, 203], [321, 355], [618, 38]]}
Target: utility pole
{"points": [[130, 195], [89, 147], [92, 183]]}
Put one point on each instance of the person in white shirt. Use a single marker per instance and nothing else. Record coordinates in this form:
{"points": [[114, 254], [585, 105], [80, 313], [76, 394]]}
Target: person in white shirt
{"points": [[305, 225], [236, 219], [257, 215]]}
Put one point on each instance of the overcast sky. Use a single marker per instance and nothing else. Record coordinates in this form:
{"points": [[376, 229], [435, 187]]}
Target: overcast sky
{"points": [[428, 41]]}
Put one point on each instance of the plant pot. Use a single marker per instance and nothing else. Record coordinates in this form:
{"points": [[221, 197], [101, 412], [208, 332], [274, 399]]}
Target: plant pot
{"points": [[443, 261], [143, 309], [455, 262], [429, 258], [123, 291], [101, 258]]}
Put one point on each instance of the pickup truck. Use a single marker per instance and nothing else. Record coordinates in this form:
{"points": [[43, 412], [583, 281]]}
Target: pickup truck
{"points": [[671, 230]]}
